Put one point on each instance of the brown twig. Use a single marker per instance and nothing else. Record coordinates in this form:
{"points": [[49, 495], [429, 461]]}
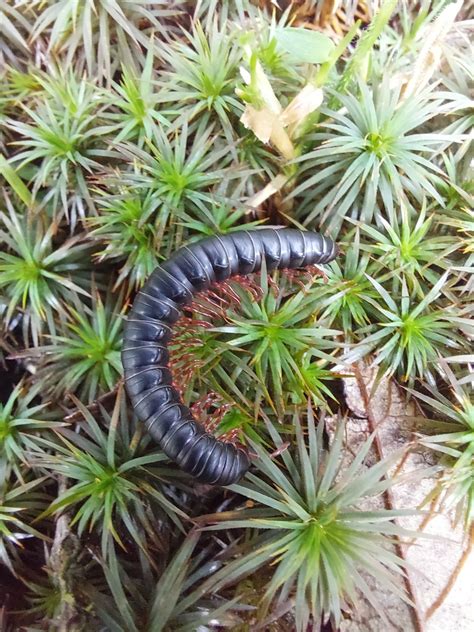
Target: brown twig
{"points": [[453, 577], [62, 564], [417, 618], [94, 406]]}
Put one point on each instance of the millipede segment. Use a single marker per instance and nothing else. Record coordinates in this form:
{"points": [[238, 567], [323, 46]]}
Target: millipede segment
{"points": [[145, 356]]}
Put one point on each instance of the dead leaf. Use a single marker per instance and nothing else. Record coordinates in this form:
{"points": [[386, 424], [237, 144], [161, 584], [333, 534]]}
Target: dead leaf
{"points": [[306, 101], [259, 121], [267, 127]]}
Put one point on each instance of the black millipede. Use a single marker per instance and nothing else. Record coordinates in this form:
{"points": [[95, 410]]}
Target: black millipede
{"points": [[148, 330]]}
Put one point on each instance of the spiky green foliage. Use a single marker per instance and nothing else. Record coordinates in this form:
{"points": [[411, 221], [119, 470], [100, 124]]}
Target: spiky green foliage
{"points": [[463, 222], [10, 175], [14, 29], [86, 353], [121, 139], [358, 63], [219, 219], [178, 171], [312, 526], [175, 602], [44, 600], [256, 346], [59, 138], [85, 30], [281, 339], [134, 100], [114, 487], [368, 156], [412, 250], [20, 424], [35, 274], [125, 225], [345, 296], [451, 417], [228, 380], [412, 334], [203, 75], [20, 504]]}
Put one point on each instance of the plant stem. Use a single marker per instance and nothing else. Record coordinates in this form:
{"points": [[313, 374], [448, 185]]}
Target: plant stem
{"points": [[373, 423]]}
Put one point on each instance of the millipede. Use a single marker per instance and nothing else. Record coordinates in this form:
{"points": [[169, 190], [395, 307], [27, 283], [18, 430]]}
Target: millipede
{"points": [[149, 328]]}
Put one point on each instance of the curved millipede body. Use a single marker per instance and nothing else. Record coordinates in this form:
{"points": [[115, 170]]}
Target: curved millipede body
{"points": [[157, 307]]}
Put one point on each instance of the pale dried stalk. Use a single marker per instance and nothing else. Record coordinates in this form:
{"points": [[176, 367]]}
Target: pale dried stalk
{"points": [[429, 57], [270, 189]]}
